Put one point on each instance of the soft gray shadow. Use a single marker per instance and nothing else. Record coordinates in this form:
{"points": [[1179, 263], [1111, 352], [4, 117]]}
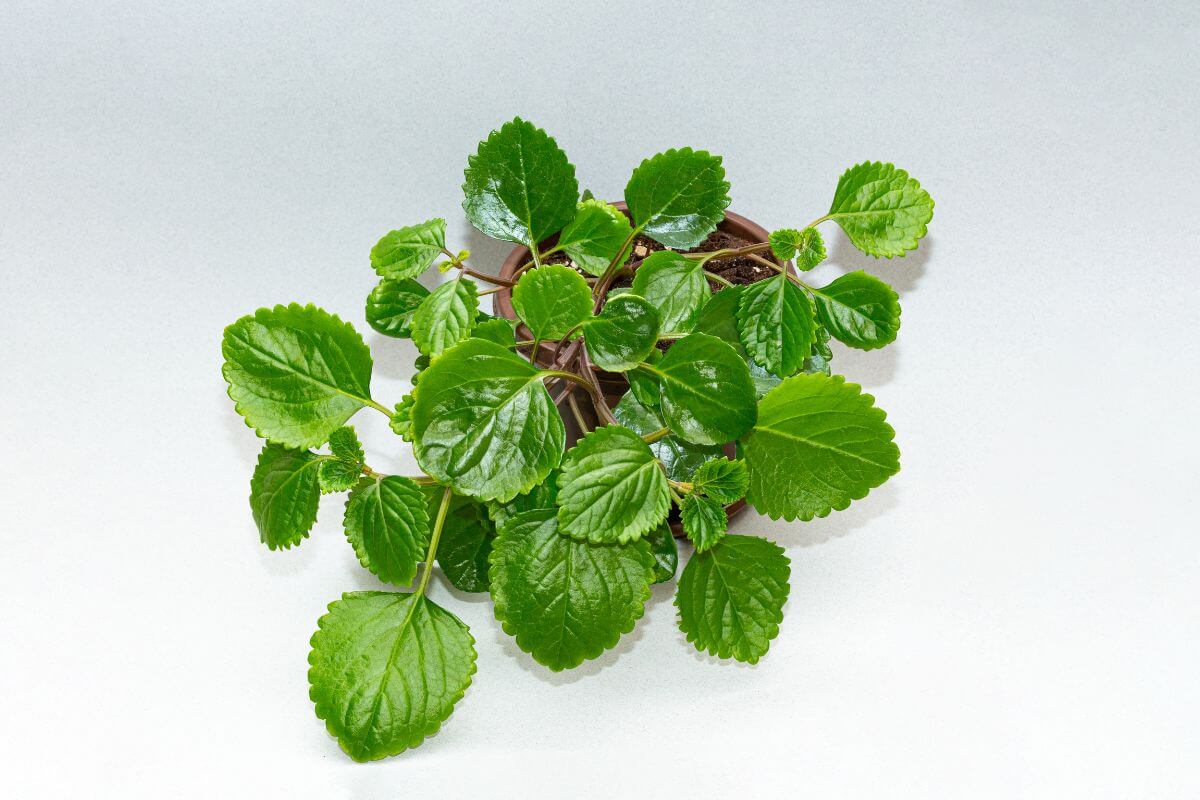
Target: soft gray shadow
{"points": [[394, 358], [861, 513], [869, 368], [902, 274], [662, 592], [241, 436]]}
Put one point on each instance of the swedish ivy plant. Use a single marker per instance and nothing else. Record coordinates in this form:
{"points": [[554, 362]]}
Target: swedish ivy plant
{"points": [[730, 396]]}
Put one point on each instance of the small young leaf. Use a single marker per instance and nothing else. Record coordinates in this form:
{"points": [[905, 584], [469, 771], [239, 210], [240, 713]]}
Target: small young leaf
{"points": [[595, 235], [704, 521], [678, 197], [552, 300], [775, 321], [675, 286], [284, 495], [391, 304], [446, 316], [723, 480], [819, 443], [337, 476], [519, 185], [296, 373], [496, 330], [707, 397], [611, 488], [731, 597], [401, 422], [623, 334], [679, 458], [386, 670], [805, 246], [387, 524], [882, 210], [665, 552], [484, 423], [408, 252], [344, 445], [565, 600], [821, 355], [860, 310]]}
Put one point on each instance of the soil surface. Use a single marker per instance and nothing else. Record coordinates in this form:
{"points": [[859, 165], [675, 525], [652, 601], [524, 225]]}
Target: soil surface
{"points": [[738, 271]]}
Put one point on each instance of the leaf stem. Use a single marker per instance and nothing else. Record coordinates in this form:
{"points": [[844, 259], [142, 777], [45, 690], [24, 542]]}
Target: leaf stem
{"points": [[579, 420], [712, 276], [724, 255], [612, 265], [651, 438], [496, 279], [381, 409], [434, 538]]}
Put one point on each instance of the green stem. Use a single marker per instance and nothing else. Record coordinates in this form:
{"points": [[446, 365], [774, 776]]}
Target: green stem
{"points": [[496, 279], [579, 420], [712, 276], [651, 438], [612, 265], [381, 409], [434, 538]]}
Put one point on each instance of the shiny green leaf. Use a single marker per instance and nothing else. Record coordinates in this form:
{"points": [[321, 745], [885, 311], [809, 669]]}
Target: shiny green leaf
{"points": [[391, 304], [882, 210], [666, 554], [407, 252], [541, 496], [595, 236], [859, 310], [679, 458], [552, 300], [805, 246], [296, 373], [566, 600], [678, 197], [611, 488], [704, 521], [446, 316], [731, 597], [387, 524], [707, 396], [623, 334], [723, 480], [284, 494], [466, 544], [775, 321], [675, 286], [496, 330], [819, 443], [484, 424]]}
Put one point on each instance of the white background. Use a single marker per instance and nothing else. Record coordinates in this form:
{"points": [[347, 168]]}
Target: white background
{"points": [[1014, 615]]}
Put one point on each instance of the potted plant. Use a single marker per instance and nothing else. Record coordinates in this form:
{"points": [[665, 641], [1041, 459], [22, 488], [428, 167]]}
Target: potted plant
{"points": [[687, 391]]}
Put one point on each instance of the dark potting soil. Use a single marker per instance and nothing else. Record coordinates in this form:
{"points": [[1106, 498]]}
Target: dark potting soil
{"points": [[740, 270]]}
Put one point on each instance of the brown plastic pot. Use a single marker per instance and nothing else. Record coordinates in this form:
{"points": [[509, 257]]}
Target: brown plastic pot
{"points": [[609, 385]]}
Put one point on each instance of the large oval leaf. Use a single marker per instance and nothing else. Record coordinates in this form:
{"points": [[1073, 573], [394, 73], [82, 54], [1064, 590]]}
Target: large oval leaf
{"points": [[484, 424], [388, 527], [284, 495], [407, 252], [611, 488], [564, 600], [675, 286], [882, 210], [391, 304], [551, 300], [386, 670], [731, 597], [680, 458], [519, 185], [775, 321], [296, 373], [719, 318], [678, 197], [819, 443], [859, 310], [446, 316], [595, 235], [707, 396], [623, 334]]}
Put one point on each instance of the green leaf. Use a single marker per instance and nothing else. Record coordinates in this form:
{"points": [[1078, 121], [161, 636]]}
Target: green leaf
{"points": [[718, 318], [519, 185], [344, 446], [552, 300], [496, 330], [337, 476], [296, 373], [645, 387], [401, 422], [723, 480], [678, 197], [680, 459], [386, 670], [446, 316], [707, 397], [881, 209], [731, 597], [805, 246], [541, 496], [388, 526], [466, 544], [484, 424], [675, 286], [623, 334], [821, 355], [284, 494], [408, 252], [391, 304], [594, 237], [704, 521], [666, 554], [775, 320], [860, 310], [819, 443], [564, 600], [611, 488]]}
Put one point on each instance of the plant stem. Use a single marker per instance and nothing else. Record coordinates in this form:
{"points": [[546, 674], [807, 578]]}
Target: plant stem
{"points": [[434, 538], [612, 265], [651, 438], [723, 255], [492, 290], [496, 279], [579, 420], [381, 409], [712, 276]]}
